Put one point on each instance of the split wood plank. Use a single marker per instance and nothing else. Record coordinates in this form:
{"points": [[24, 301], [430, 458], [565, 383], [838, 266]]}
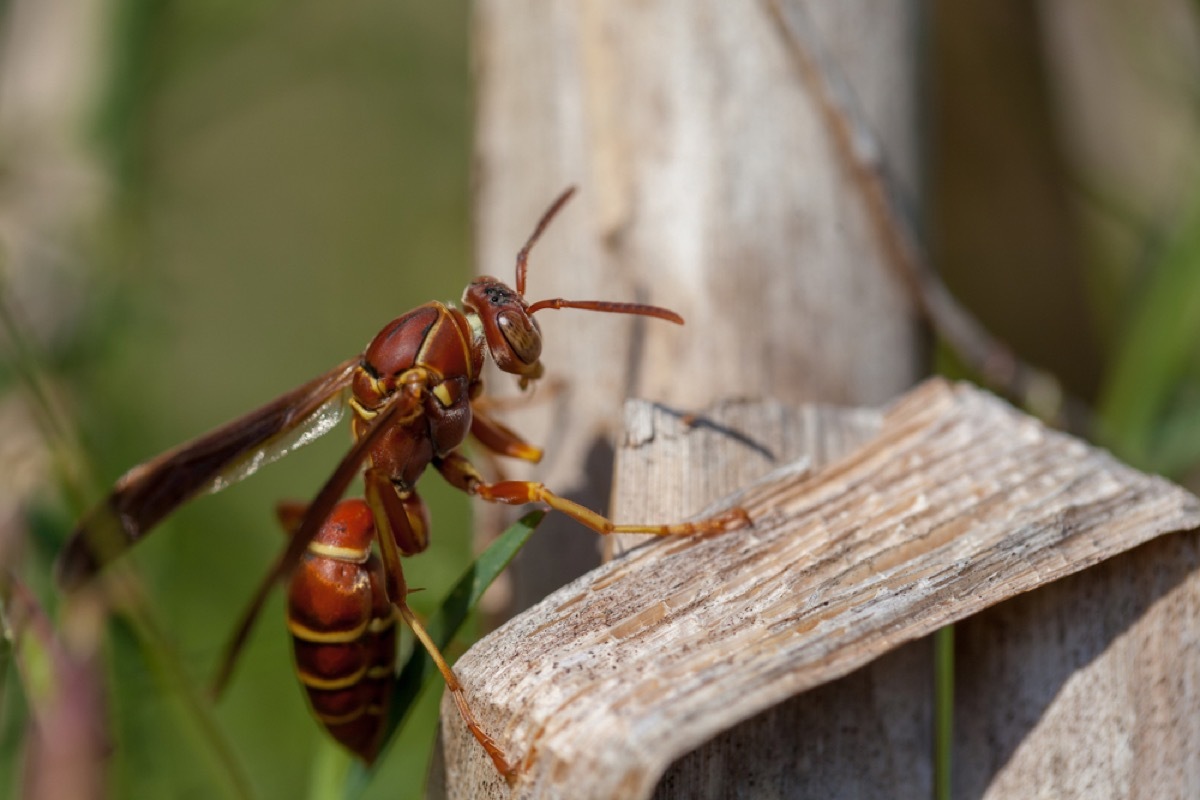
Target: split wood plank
{"points": [[957, 504], [880, 742]]}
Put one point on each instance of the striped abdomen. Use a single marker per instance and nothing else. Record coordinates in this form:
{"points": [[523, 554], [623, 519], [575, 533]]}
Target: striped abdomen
{"points": [[343, 630]]}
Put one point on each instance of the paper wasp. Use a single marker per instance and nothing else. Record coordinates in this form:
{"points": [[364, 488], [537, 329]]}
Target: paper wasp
{"points": [[414, 393]]}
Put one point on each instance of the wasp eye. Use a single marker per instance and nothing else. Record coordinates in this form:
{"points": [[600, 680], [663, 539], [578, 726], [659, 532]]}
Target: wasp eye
{"points": [[522, 335]]}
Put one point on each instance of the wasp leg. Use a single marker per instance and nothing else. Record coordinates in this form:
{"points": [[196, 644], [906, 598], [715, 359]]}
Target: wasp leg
{"points": [[396, 516], [459, 472], [398, 512], [499, 438], [495, 435], [290, 514], [456, 691]]}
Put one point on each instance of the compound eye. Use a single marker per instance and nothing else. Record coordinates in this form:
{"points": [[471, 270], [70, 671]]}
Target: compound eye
{"points": [[521, 333]]}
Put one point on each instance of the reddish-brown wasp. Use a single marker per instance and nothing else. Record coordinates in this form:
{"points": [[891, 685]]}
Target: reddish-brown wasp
{"points": [[414, 394]]}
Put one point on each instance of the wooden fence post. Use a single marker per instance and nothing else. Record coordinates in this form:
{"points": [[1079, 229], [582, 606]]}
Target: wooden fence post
{"points": [[708, 184], [763, 662]]}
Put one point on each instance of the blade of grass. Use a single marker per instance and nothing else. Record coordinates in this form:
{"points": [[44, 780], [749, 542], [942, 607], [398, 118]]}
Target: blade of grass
{"points": [[943, 705], [1177, 437], [23, 358], [13, 711], [330, 766], [443, 625], [1158, 343]]}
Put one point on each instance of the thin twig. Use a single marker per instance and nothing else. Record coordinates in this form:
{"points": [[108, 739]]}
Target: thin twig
{"points": [[861, 153]]}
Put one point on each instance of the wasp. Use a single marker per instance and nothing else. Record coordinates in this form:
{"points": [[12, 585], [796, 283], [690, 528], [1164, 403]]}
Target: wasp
{"points": [[415, 395]]}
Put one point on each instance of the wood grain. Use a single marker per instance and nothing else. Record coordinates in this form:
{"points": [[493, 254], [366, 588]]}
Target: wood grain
{"points": [[958, 503], [708, 184]]}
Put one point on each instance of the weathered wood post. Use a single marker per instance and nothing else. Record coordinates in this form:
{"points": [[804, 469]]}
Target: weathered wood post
{"points": [[708, 184], [753, 663]]}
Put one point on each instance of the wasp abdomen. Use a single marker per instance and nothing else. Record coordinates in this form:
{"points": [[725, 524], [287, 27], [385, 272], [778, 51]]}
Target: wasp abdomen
{"points": [[343, 630]]}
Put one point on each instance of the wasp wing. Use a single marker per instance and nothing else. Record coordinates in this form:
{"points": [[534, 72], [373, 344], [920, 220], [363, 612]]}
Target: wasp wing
{"points": [[399, 406], [149, 492]]}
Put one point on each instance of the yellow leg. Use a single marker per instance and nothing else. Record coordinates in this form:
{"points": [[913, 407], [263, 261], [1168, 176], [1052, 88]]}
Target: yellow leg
{"points": [[499, 438], [459, 472], [397, 589], [456, 691]]}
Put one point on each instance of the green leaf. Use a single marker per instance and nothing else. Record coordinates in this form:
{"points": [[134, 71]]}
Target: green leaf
{"points": [[442, 626], [330, 767], [12, 696]]}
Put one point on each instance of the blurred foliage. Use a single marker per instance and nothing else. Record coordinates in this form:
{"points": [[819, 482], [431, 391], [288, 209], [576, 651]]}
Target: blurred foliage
{"points": [[300, 179], [286, 178], [1064, 209], [1150, 409], [1069, 225]]}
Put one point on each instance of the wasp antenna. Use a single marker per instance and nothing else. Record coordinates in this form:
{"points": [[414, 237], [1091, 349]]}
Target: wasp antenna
{"points": [[608, 307], [523, 255]]}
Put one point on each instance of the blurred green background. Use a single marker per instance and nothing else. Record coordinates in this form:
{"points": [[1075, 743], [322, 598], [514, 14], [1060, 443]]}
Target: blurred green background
{"points": [[282, 178], [251, 189]]}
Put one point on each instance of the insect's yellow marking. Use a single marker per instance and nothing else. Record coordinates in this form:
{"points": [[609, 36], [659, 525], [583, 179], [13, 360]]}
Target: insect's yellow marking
{"points": [[442, 393], [477, 335], [380, 671], [355, 555], [342, 719], [331, 684], [326, 637], [363, 413], [431, 335], [379, 624], [476, 324]]}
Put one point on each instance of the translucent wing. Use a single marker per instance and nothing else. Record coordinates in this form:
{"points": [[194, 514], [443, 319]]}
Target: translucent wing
{"points": [[399, 405], [316, 425], [149, 492]]}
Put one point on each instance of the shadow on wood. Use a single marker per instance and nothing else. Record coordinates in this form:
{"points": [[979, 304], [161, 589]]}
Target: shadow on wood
{"points": [[1099, 674]]}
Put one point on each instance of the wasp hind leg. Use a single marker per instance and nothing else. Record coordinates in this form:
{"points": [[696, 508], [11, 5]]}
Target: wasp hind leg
{"points": [[401, 517]]}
